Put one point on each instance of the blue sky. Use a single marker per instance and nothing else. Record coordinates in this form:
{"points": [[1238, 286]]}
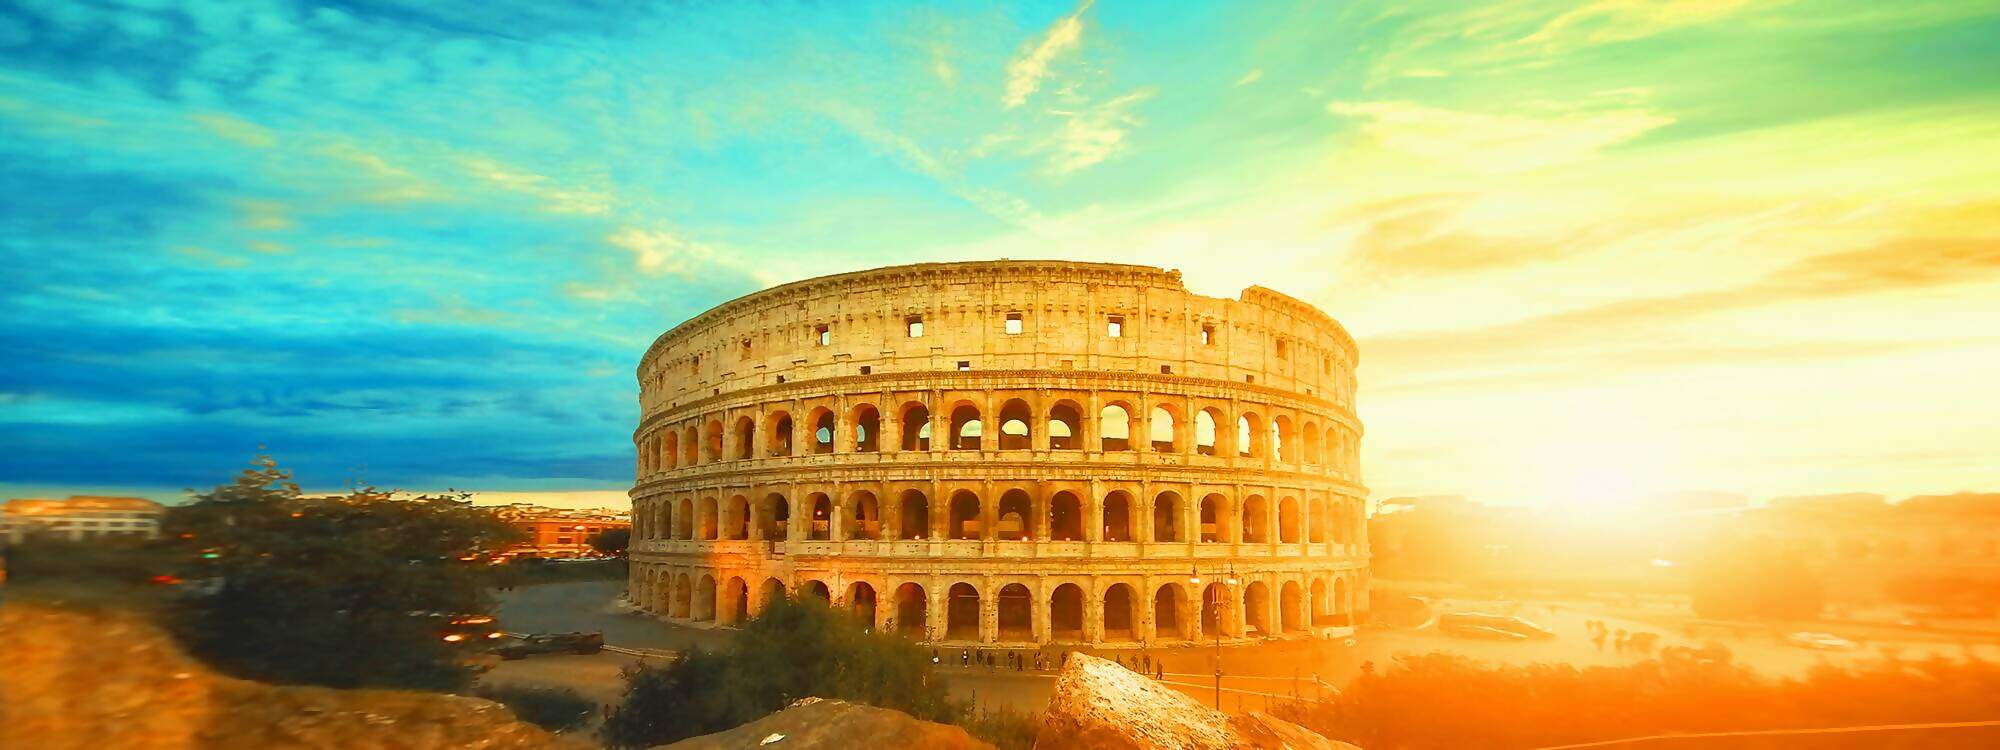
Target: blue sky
{"points": [[423, 244]]}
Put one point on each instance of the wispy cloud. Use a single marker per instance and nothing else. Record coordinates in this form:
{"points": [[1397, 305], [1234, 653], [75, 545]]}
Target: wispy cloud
{"points": [[1255, 75], [1497, 141], [1093, 134], [1026, 71]]}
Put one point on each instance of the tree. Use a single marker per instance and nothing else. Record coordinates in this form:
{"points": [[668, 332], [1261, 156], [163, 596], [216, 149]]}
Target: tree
{"points": [[790, 651], [337, 591], [611, 541], [1738, 579]]}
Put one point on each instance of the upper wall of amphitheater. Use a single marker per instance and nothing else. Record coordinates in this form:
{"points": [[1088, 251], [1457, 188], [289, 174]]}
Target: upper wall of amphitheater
{"points": [[998, 315]]}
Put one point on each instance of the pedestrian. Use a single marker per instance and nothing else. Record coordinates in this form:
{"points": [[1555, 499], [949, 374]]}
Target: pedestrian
{"points": [[964, 658], [1160, 671]]}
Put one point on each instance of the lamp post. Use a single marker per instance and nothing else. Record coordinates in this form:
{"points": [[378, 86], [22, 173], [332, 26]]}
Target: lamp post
{"points": [[1229, 580]]}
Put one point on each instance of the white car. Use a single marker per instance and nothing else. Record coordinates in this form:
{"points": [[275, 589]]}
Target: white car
{"points": [[1820, 641]]}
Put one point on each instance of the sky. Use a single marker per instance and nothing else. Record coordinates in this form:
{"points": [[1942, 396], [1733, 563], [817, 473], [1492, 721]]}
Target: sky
{"points": [[1591, 250]]}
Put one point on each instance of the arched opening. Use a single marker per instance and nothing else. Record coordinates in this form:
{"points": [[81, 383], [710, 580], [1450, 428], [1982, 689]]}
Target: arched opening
{"points": [[864, 517], [1309, 437], [1065, 426], [1065, 517], [779, 442], [912, 610], [1167, 517], [1161, 431], [965, 428], [965, 520], [691, 447], [671, 452], [1214, 518], [961, 613], [1119, 614], [1288, 520], [746, 438], [1014, 511], [683, 597], [820, 520], [1215, 603], [1015, 418], [1017, 616], [1257, 608], [916, 424], [777, 514], [817, 592], [684, 520], [1256, 520], [738, 526], [1167, 619], [1066, 613], [769, 594], [1286, 439], [1249, 439], [1288, 607], [861, 603], [823, 431], [915, 519], [737, 594], [1117, 517], [1321, 614], [1205, 436], [1342, 609], [704, 598], [1114, 428], [710, 528], [1316, 521], [867, 429]]}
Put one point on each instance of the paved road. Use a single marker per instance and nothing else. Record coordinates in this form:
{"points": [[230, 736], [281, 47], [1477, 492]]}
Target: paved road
{"points": [[1283, 667]]}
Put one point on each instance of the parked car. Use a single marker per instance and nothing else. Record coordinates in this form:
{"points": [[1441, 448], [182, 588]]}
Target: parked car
{"points": [[1471, 623], [1820, 641], [463, 629], [552, 643]]}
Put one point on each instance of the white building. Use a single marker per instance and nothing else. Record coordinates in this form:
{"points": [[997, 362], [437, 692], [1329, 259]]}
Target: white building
{"points": [[81, 517]]}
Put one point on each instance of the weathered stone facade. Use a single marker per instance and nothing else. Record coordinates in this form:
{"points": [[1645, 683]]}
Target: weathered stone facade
{"points": [[1011, 452]]}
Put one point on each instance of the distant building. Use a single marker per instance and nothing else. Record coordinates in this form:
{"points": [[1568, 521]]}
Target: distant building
{"points": [[559, 532], [81, 517]]}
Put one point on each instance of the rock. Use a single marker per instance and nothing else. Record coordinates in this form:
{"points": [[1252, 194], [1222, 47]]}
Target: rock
{"points": [[835, 725], [1099, 705], [98, 678]]}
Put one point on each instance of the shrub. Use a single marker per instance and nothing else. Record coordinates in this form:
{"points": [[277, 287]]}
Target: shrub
{"points": [[554, 709]]}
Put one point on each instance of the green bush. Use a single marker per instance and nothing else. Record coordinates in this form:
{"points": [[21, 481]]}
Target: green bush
{"points": [[554, 709], [1004, 727]]}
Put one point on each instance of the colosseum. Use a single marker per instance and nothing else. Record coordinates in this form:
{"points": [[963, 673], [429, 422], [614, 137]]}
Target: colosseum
{"points": [[1010, 453]]}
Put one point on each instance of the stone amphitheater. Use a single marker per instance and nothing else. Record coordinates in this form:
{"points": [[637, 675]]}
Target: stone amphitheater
{"points": [[1010, 452]]}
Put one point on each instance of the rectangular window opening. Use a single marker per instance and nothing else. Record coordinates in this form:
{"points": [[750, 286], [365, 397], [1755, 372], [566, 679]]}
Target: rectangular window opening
{"points": [[1208, 335], [1013, 324], [823, 334], [867, 370], [915, 326], [1115, 326], [1166, 369], [1283, 350], [964, 365]]}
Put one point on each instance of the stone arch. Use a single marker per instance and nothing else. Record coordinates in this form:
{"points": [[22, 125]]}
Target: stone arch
{"points": [[691, 446], [1250, 435], [704, 598], [967, 522], [1016, 613], [861, 603], [1114, 427], [1336, 449], [670, 450], [867, 422], [1016, 426], [775, 516], [1065, 425], [684, 520], [819, 516], [737, 518], [912, 610], [1117, 517], [778, 439], [1321, 614], [712, 440], [915, 420], [1215, 518], [735, 601], [1342, 608], [1288, 520], [1161, 430], [1065, 517], [1290, 606], [1256, 520], [961, 622], [1316, 521], [745, 437], [1011, 518], [1218, 606], [683, 606], [914, 515], [1207, 432], [862, 518], [1167, 514], [769, 593], [1170, 613], [1284, 439], [711, 526], [1257, 608], [1066, 613], [815, 590], [1309, 440], [824, 429], [966, 429], [1121, 613]]}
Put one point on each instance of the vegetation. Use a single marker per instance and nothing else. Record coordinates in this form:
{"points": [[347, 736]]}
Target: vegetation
{"points": [[1736, 580], [554, 709], [528, 571], [611, 541], [1447, 701], [335, 591], [1004, 727], [793, 650]]}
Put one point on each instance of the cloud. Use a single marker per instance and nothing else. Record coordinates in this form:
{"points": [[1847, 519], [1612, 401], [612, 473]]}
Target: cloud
{"points": [[554, 197], [1026, 71], [236, 130], [1251, 77], [1094, 133], [658, 252], [211, 258], [1608, 21], [1427, 235], [1496, 142]]}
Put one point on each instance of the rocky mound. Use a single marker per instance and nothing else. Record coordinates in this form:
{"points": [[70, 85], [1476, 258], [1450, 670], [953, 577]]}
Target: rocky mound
{"points": [[818, 723], [98, 679], [1099, 705]]}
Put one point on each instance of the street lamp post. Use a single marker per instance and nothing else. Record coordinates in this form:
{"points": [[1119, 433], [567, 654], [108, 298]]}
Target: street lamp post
{"points": [[1194, 579]]}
